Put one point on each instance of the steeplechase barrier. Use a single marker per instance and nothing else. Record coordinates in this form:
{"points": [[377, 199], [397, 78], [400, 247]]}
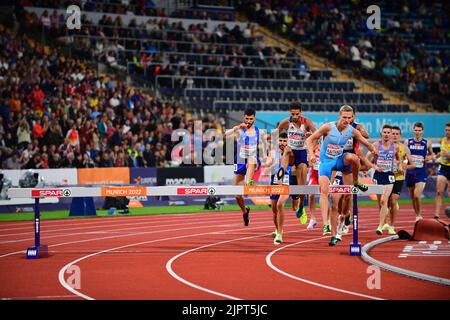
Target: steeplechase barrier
{"points": [[40, 250]]}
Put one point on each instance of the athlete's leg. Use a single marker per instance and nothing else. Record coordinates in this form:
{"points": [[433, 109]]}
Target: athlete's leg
{"points": [[441, 183], [302, 173], [280, 209], [239, 180], [275, 212], [353, 162], [251, 168], [394, 208], [383, 202], [418, 190]]}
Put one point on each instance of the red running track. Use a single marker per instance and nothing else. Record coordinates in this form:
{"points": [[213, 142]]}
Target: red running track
{"points": [[203, 256]]}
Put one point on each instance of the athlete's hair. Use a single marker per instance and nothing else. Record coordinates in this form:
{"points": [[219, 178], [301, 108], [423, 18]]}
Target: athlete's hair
{"points": [[397, 128], [346, 108], [249, 112], [283, 135], [387, 126], [418, 125], [295, 105], [447, 124]]}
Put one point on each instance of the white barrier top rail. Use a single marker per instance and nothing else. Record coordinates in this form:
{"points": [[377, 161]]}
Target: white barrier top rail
{"points": [[220, 190]]}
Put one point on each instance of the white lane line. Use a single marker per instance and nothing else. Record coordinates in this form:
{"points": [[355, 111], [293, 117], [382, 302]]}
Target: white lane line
{"points": [[74, 291], [147, 225], [272, 266], [169, 264], [421, 276]]}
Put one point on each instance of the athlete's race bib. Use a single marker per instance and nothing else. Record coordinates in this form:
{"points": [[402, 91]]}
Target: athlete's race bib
{"points": [[418, 161], [349, 144], [395, 167], [247, 151], [334, 151], [285, 179], [384, 165], [296, 142]]}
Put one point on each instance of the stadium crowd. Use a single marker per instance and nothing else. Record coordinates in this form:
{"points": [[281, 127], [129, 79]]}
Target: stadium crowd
{"points": [[58, 112], [409, 54]]}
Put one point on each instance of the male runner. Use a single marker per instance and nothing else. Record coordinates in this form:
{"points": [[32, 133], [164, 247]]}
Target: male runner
{"points": [[400, 167], [278, 201], [333, 158], [387, 154], [247, 157], [298, 129], [421, 153]]}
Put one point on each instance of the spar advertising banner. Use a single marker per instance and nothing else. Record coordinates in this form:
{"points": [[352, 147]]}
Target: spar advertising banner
{"points": [[143, 176], [373, 122], [51, 177], [102, 176], [180, 176]]}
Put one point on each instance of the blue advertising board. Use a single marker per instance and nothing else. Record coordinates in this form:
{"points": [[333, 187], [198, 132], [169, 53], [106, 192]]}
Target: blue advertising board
{"points": [[373, 122], [143, 176]]}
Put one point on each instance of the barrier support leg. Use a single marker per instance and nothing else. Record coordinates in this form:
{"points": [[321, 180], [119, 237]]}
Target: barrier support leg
{"points": [[38, 251], [355, 246]]}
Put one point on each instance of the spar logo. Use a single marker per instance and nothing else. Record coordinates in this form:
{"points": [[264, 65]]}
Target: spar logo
{"points": [[343, 190], [211, 191], [193, 191], [46, 193]]}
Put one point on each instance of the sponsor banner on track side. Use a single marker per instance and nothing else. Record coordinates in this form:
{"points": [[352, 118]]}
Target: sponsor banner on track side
{"points": [[124, 191], [265, 190]]}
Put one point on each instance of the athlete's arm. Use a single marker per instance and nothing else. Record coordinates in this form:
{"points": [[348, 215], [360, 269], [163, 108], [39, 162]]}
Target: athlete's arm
{"points": [[431, 154], [310, 126], [235, 130], [370, 156], [366, 143], [363, 131], [410, 165], [283, 125], [312, 140]]}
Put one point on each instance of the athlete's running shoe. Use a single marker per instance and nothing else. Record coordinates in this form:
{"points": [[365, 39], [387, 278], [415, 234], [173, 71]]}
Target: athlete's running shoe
{"points": [[333, 241], [312, 224], [379, 231], [391, 230], [361, 186], [326, 230], [274, 234], [251, 183], [418, 218], [385, 227], [278, 239], [301, 214]]}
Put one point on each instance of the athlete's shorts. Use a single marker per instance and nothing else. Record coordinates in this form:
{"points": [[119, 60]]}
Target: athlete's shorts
{"points": [[444, 171], [314, 178], [327, 166], [398, 185], [292, 181], [413, 178], [300, 156], [241, 168], [383, 178]]}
